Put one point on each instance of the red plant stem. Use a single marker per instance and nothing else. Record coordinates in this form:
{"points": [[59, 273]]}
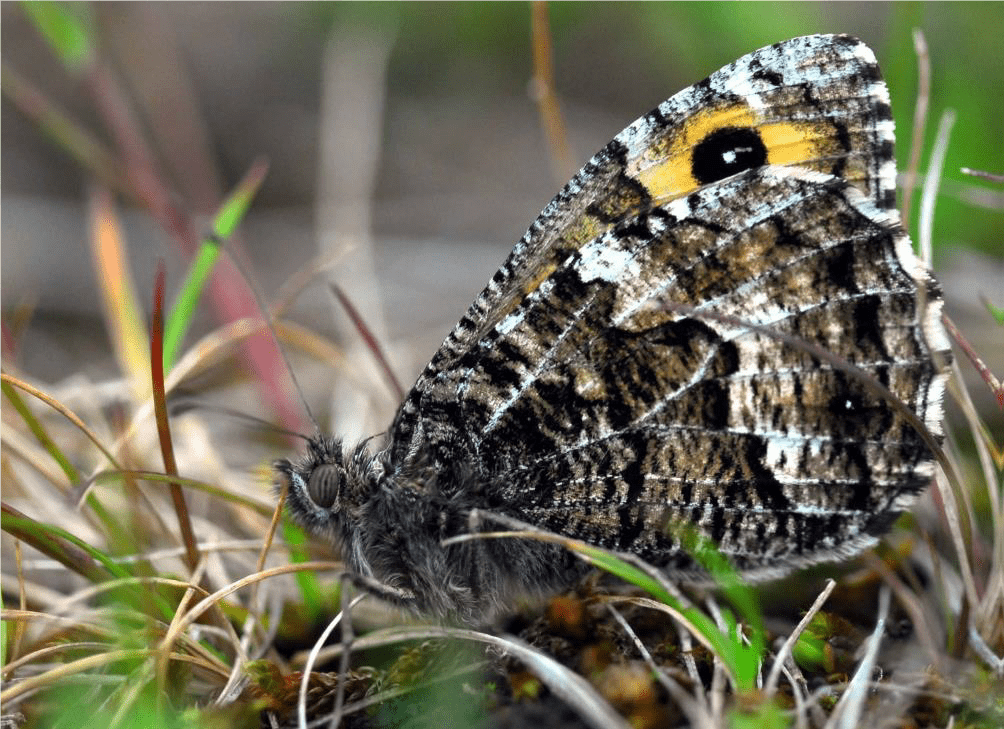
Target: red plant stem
{"points": [[163, 427]]}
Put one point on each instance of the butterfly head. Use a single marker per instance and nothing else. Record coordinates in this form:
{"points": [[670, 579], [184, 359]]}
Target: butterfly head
{"points": [[327, 488]]}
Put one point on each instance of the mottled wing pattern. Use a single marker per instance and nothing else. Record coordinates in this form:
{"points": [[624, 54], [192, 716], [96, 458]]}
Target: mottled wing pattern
{"points": [[842, 127], [587, 407]]}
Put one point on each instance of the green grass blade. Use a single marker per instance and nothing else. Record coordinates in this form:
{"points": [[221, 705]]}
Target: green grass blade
{"points": [[72, 474], [65, 32], [227, 218], [40, 433], [310, 587], [742, 661], [70, 551], [737, 592]]}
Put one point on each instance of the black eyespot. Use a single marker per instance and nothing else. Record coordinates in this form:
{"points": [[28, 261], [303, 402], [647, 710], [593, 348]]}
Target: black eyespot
{"points": [[323, 485], [725, 152]]}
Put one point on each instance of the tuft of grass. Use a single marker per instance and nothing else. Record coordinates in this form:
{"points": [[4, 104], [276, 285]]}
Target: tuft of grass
{"points": [[741, 655]]}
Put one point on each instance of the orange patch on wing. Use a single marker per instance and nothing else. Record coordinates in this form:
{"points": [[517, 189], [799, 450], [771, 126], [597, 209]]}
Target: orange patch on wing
{"points": [[666, 170]]}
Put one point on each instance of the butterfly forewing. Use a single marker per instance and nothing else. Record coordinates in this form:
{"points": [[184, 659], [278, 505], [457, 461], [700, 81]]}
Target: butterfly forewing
{"points": [[592, 411]]}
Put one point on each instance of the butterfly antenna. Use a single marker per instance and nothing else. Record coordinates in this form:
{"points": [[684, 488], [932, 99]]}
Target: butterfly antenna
{"points": [[182, 406], [266, 316]]}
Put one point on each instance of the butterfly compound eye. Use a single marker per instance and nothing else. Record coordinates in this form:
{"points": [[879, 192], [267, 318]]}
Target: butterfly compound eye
{"points": [[323, 484]]}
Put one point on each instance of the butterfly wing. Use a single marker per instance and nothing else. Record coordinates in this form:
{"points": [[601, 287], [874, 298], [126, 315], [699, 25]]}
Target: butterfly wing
{"points": [[586, 405]]}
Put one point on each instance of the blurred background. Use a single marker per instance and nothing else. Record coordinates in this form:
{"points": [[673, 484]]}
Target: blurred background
{"points": [[404, 143]]}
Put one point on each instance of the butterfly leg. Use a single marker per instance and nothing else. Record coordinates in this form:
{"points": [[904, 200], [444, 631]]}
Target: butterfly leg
{"points": [[394, 595]]}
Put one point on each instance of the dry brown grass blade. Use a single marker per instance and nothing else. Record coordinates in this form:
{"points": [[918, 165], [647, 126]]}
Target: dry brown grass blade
{"points": [[919, 122], [371, 341], [991, 380], [847, 713], [343, 618], [185, 621], [71, 136], [929, 631], [213, 349], [89, 663], [932, 183], [983, 175], [696, 711], [542, 90], [770, 685], [64, 411]]}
